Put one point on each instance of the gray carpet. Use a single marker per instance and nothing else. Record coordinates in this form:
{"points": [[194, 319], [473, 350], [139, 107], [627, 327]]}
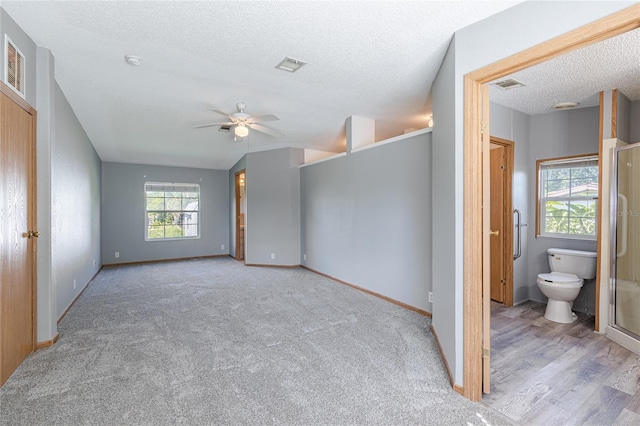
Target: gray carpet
{"points": [[211, 341]]}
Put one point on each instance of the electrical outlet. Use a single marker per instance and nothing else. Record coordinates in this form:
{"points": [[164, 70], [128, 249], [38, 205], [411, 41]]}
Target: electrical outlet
{"points": [[95, 263], [117, 255], [304, 256], [222, 247], [430, 297], [273, 255], [74, 283]]}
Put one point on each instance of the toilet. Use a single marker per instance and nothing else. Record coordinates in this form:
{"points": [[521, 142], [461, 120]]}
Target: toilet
{"points": [[569, 269]]}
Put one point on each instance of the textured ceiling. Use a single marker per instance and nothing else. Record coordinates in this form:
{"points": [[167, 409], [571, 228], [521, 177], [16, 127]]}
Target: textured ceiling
{"points": [[577, 76], [372, 59]]}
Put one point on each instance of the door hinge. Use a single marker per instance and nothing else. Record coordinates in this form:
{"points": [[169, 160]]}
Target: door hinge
{"points": [[486, 353]]}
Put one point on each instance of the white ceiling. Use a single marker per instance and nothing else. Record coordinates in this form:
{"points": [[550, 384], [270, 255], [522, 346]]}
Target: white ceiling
{"points": [[577, 77], [373, 59]]}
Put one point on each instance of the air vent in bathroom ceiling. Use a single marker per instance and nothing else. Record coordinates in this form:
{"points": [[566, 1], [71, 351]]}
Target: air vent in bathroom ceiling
{"points": [[509, 83]]}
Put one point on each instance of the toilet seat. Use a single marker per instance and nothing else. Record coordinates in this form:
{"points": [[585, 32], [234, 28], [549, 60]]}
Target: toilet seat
{"points": [[559, 279]]}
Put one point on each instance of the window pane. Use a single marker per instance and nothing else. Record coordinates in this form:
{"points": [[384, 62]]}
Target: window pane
{"points": [[173, 203], [191, 230], [156, 231], [173, 231], [556, 217], [582, 216], [155, 203], [190, 204], [558, 173], [190, 218]]}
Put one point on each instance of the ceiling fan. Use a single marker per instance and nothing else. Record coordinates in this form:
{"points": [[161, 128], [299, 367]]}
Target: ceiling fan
{"points": [[242, 122]]}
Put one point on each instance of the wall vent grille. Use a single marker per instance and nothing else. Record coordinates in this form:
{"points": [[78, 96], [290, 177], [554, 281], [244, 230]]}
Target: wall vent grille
{"points": [[14, 66]]}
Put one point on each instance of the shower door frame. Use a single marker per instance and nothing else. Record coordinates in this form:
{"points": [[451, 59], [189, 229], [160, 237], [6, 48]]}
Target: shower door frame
{"points": [[613, 278]]}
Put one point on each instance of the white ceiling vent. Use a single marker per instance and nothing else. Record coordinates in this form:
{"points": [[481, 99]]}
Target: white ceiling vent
{"points": [[224, 128], [509, 83], [14, 67], [290, 64]]}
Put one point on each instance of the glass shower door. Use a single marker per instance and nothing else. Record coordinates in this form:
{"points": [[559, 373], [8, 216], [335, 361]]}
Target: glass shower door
{"points": [[626, 240]]}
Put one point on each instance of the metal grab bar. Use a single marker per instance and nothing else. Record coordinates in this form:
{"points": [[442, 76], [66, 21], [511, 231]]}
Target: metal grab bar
{"points": [[623, 224], [518, 252]]}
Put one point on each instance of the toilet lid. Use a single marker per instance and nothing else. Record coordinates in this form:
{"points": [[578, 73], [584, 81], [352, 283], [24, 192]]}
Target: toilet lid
{"points": [[558, 277]]}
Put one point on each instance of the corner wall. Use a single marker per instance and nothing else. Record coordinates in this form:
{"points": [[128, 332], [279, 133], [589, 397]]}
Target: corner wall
{"points": [[75, 205], [272, 219], [366, 219], [447, 190]]}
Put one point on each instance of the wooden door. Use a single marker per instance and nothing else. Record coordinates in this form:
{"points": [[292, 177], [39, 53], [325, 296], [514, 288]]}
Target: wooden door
{"points": [[240, 214], [497, 170], [17, 248]]}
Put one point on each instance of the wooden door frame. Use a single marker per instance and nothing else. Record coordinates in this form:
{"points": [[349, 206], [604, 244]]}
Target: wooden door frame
{"points": [[237, 216], [507, 215], [32, 213], [475, 149]]}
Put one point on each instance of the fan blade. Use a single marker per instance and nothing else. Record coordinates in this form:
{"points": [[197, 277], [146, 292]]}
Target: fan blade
{"points": [[260, 118], [226, 114], [228, 123], [265, 129]]}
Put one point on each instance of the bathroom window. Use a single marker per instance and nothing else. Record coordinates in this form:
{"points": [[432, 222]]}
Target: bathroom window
{"points": [[171, 211], [567, 197]]}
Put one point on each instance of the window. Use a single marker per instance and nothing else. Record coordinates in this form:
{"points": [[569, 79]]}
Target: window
{"points": [[567, 197], [14, 67], [171, 211]]}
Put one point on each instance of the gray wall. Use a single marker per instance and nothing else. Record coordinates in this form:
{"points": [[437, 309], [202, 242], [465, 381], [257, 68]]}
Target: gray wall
{"points": [[240, 165], [366, 219], [447, 195], [272, 219], [634, 120], [515, 126], [624, 115], [123, 218], [75, 205], [477, 45], [560, 134]]}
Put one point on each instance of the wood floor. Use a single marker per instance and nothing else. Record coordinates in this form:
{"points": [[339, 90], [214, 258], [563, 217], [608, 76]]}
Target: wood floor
{"points": [[545, 373]]}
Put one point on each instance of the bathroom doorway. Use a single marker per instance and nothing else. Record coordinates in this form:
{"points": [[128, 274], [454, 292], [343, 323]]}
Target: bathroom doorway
{"points": [[240, 214], [476, 115], [501, 218]]}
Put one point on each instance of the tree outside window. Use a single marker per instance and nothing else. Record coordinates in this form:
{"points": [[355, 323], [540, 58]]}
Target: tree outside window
{"points": [[568, 197]]}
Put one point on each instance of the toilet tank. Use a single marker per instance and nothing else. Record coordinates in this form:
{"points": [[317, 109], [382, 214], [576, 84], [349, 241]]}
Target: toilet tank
{"points": [[577, 262]]}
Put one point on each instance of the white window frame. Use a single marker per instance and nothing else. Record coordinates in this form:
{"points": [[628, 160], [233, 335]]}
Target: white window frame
{"points": [[22, 70], [171, 187], [541, 200]]}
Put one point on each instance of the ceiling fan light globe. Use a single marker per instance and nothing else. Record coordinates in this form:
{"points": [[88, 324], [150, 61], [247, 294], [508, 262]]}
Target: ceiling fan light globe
{"points": [[241, 131]]}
